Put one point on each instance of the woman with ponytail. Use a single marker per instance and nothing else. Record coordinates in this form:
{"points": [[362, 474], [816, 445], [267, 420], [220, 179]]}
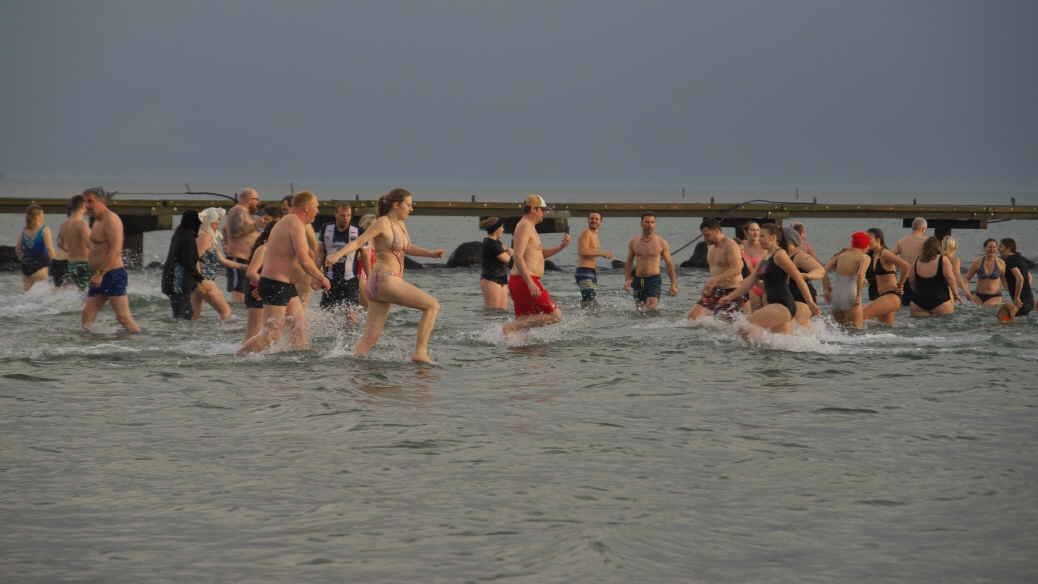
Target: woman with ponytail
{"points": [[386, 286]]}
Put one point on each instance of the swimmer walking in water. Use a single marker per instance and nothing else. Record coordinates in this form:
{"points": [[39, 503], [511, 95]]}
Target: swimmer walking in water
{"points": [[386, 286], [532, 303], [643, 277]]}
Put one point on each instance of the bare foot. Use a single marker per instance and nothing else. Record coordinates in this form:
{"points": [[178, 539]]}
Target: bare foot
{"points": [[421, 357], [510, 328]]}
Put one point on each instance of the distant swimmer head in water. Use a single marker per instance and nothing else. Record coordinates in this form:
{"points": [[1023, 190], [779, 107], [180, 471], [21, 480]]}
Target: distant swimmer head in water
{"points": [[1007, 312]]}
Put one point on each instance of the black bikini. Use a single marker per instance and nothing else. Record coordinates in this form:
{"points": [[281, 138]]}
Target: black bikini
{"points": [[795, 290]]}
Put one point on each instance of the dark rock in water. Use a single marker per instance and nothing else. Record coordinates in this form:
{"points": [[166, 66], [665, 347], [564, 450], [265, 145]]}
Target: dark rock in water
{"points": [[8, 261], [465, 255], [698, 259], [410, 264], [550, 265], [1030, 265], [618, 265]]}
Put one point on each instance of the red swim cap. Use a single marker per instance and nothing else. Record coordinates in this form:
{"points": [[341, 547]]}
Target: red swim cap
{"points": [[860, 240]]}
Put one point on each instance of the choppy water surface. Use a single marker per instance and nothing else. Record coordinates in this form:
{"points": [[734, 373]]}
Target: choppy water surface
{"points": [[613, 447]]}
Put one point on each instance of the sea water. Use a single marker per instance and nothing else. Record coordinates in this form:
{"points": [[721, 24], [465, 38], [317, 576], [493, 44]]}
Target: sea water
{"points": [[617, 446]]}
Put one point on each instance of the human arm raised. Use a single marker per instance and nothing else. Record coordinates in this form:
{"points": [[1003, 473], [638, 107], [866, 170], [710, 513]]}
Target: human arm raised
{"points": [[554, 250]]}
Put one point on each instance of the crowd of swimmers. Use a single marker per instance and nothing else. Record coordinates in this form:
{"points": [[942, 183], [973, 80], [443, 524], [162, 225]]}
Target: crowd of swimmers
{"points": [[274, 259]]}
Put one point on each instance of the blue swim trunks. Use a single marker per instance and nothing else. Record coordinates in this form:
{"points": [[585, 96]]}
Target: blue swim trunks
{"points": [[647, 287], [587, 281], [113, 283]]}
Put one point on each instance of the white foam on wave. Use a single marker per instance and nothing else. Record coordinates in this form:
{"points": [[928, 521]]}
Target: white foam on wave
{"points": [[42, 300]]}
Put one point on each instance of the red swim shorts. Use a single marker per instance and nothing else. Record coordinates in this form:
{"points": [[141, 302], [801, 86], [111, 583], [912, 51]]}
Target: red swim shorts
{"points": [[525, 304]]}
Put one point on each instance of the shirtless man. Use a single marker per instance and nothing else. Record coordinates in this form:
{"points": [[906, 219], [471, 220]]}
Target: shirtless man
{"points": [[286, 262], [242, 231], [533, 306], [643, 276], [74, 242], [804, 246], [587, 259], [910, 248], [725, 261], [306, 285], [105, 260]]}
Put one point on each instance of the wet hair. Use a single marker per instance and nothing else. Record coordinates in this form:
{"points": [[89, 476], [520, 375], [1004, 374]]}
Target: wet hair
{"points": [[366, 221], [302, 198], [189, 221], [931, 249], [491, 224], [648, 214], [343, 205], [878, 234], [1010, 244], [98, 192], [710, 223], [989, 240], [75, 203], [31, 213], [948, 245], [780, 236], [590, 213], [386, 201], [919, 224]]}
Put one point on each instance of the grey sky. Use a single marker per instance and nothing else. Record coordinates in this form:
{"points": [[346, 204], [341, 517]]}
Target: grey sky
{"points": [[846, 95]]}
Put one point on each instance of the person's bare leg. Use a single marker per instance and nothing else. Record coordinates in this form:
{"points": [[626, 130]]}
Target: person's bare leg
{"points": [[531, 321], [652, 303], [215, 298], [883, 308], [121, 307], [26, 282], [197, 303], [396, 291], [295, 320], [378, 312], [773, 317], [502, 297], [946, 308], [698, 312], [237, 297], [756, 302], [270, 332], [253, 323], [489, 290], [91, 307], [803, 315]]}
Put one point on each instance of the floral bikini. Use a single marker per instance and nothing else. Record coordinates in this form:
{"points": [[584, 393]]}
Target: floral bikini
{"points": [[375, 281]]}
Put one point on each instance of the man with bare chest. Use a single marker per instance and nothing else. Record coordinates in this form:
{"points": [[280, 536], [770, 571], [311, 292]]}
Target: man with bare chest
{"points": [[643, 276], [287, 261], [587, 259], [105, 260], [533, 305], [242, 231], [74, 241], [725, 261], [910, 247]]}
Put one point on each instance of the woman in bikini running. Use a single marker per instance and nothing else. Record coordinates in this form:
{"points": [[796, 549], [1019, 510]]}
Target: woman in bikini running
{"points": [[386, 286], [884, 268]]}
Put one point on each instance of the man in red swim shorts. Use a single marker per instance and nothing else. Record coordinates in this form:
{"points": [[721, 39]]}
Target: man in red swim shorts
{"points": [[533, 306]]}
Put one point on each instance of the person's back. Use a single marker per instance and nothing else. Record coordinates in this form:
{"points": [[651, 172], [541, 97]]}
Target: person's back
{"points": [[75, 237]]}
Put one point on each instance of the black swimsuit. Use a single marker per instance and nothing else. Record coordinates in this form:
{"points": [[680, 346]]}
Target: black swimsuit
{"points": [[776, 285], [933, 291], [873, 272], [795, 290]]}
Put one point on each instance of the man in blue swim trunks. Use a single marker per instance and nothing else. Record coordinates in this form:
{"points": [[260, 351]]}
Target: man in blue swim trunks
{"points": [[108, 279], [643, 277], [587, 259]]}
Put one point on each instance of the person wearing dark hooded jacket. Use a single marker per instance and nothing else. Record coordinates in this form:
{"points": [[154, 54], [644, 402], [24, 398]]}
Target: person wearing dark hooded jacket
{"points": [[180, 273]]}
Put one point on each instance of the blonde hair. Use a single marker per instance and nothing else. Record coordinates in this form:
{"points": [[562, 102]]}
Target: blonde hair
{"points": [[31, 212], [302, 198], [948, 245], [487, 222], [366, 221]]}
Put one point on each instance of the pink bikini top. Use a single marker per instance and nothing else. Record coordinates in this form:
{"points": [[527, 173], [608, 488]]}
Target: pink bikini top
{"points": [[752, 261], [396, 248]]}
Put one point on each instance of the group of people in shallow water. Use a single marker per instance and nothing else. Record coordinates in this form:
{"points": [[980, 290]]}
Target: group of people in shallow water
{"points": [[274, 259]]}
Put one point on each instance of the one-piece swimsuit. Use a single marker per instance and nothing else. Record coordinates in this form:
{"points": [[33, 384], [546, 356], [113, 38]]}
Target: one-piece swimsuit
{"points": [[933, 291], [844, 292], [375, 281], [776, 284]]}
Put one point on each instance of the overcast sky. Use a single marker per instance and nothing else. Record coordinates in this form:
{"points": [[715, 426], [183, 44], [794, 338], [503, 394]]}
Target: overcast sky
{"points": [[845, 95]]}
